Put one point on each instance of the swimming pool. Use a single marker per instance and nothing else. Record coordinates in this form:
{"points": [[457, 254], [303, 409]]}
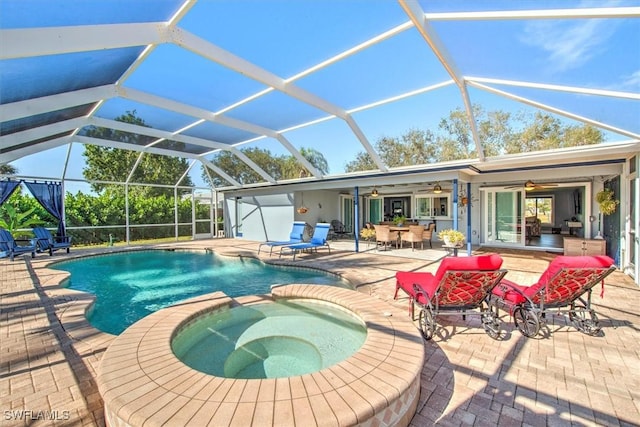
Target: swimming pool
{"points": [[130, 285]]}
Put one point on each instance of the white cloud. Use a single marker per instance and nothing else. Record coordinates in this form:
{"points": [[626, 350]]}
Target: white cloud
{"points": [[631, 82], [569, 44]]}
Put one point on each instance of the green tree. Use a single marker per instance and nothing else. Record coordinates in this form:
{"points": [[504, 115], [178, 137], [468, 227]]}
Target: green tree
{"points": [[233, 166], [575, 136], [414, 147], [114, 164], [86, 210], [545, 132], [293, 169], [456, 142], [279, 167], [496, 130], [362, 162]]}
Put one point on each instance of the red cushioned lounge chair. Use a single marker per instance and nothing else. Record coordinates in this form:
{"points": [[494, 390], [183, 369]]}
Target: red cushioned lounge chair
{"points": [[459, 286], [564, 288]]}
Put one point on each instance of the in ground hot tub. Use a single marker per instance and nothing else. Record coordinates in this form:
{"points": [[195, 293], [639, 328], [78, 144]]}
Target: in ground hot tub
{"points": [[143, 382], [271, 340]]}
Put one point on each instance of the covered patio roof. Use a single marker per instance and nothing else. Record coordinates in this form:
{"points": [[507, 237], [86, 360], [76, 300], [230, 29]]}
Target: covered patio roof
{"points": [[333, 76]]}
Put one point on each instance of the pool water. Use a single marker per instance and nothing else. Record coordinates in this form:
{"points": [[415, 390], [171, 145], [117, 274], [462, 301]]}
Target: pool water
{"points": [[269, 340], [130, 285]]}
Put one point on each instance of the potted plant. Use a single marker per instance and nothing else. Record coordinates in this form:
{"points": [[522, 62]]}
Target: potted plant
{"points": [[368, 233], [451, 237], [399, 220], [606, 201]]}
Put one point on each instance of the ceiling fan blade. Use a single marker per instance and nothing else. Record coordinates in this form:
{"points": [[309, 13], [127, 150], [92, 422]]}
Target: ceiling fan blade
{"points": [[530, 185]]}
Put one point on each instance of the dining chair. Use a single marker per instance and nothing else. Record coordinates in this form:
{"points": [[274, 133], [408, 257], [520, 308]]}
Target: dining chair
{"points": [[414, 235], [427, 234], [384, 237]]}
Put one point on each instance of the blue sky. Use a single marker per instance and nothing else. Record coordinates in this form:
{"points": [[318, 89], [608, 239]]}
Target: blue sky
{"points": [[288, 37]]}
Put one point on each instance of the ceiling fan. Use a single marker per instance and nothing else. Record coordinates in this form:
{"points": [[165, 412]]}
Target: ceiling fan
{"points": [[437, 189], [530, 186]]}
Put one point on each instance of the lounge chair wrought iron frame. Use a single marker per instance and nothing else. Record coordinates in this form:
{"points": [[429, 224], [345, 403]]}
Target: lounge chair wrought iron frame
{"points": [[564, 289], [460, 286], [46, 242], [444, 303]]}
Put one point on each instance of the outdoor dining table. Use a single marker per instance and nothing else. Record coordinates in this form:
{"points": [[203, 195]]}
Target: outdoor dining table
{"points": [[399, 229]]}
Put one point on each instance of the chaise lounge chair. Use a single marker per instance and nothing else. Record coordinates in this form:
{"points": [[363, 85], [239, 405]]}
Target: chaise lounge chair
{"points": [[296, 235], [459, 286], [318, 240], [561, 289], [46, 242], [9, 247]]}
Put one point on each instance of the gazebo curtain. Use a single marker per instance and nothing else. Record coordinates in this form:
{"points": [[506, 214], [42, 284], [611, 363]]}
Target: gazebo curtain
{"points": [[49, 194], [6, 189]]}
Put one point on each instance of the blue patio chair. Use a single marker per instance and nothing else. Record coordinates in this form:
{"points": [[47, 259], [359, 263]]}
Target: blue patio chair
{"points": [[47, 242], [296, 236], [9, 247], [318, 240]]}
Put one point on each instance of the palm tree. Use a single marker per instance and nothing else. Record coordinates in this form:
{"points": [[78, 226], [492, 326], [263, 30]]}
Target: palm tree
{"points": [[8, 169], [292, 169]]}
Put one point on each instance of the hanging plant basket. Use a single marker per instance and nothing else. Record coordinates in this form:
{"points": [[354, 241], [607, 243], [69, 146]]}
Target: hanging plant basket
{"points": [[606, 201]]}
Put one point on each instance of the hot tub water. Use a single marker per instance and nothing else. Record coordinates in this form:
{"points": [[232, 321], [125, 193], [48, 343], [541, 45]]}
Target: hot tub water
{"points": [[269, 340]]}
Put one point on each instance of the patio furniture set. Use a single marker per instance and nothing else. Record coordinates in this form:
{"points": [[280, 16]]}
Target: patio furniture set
{"points": [[387, 234], [476, 286], [43, 241]]}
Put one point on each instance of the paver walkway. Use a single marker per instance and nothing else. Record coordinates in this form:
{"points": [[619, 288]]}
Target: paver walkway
{"points": [[44, 378], [48, 366]]}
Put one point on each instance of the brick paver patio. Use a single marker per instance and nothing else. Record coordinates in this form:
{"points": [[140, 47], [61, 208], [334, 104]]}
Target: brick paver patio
{"points": [[49, 357]]}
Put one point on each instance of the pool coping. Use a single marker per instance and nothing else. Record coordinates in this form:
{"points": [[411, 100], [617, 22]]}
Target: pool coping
{"points": [[143, 382]]}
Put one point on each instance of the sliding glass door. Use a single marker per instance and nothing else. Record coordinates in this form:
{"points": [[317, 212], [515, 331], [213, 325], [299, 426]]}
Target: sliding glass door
{"points": [[503, 213], [347, 212], [374, 213]]}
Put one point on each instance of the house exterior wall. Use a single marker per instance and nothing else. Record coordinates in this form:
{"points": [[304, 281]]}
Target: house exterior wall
{"points": [[269, 217], [260, 218], [323, 206]]}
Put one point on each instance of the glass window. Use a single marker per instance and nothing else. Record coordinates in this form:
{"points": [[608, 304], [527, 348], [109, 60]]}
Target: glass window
{"points": [[540, 207], [428, 206]]}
